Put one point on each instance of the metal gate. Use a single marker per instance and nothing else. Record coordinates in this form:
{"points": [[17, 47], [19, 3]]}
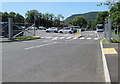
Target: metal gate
{"points": [[14, 30]]}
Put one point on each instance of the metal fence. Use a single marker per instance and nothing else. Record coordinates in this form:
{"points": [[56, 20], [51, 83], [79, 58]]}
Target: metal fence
{"points": [[14, 30]]}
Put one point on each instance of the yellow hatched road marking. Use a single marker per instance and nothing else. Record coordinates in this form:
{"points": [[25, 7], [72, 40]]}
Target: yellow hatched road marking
{"points": [[109, 51]]}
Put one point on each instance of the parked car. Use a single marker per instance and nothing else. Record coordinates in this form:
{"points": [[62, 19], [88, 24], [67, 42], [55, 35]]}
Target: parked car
{"points": [[52, 29], [32, 28], [68, 30], [42, 28], [82, 29]]}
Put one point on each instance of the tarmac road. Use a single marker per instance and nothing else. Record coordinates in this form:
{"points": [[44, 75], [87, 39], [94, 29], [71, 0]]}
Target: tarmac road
{"points": [[54, 58]]}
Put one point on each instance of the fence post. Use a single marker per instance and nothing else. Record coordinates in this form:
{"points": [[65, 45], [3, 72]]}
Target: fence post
{"points": [[10, 28]]}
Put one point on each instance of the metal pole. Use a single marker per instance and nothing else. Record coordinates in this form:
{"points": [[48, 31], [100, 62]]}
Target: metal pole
{"points": [[10, 28], [109, 29], [34, 23]]}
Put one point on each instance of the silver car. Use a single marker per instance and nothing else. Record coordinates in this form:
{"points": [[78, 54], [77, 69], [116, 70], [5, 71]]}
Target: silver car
{"points": [[68, 30], [52, 29]]}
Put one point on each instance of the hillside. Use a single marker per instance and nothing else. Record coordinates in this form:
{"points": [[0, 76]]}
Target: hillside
{"points": [[88, 16]]}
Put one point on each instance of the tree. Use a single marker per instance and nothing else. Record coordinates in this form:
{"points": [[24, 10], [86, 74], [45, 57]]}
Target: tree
{"points": [[19, 18], [30, 16], [59, 18], [12, 15], [79, 21], [51, 19], [101, 17], [114, 10], [115, 13], [5, 16]]}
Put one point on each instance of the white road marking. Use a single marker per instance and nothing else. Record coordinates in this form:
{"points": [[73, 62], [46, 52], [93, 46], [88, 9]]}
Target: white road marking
{"points": [[55, 38], [68, 37], [89, 38], [48, 37], [39, 46], [29, 47], [61, 37], [97, 34], [95, 38], [106, 70], [42, 37], [75, 38], [82, 38]]}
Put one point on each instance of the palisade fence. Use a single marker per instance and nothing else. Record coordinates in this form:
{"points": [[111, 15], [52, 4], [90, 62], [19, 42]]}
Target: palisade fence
{"points": [[14, 30]]}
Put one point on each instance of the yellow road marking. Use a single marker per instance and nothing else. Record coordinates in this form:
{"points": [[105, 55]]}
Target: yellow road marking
{"points": [[109, 51]]}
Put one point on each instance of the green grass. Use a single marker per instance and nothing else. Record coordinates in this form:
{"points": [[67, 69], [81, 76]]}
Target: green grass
{"points": [[112, 41], [115, 40], [26, 38], [116, 33], [104, 41]]}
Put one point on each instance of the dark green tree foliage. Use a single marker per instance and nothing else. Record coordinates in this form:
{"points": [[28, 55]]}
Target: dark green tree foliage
{"points": [[31, 16], [17, 18], [47, 19], [101, 17], [5, 16], [115, 13], [79, 21]]}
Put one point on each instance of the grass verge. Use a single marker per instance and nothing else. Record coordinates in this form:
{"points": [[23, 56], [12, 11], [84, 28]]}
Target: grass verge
{"points": [[112, 41], [26, 38], [115, 40]]}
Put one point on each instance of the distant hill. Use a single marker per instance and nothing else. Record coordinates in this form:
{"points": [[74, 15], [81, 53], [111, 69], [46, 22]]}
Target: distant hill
{"points": [[88, 16]]}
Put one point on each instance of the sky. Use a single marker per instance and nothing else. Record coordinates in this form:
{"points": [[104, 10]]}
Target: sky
{"points": [[65, 8]]}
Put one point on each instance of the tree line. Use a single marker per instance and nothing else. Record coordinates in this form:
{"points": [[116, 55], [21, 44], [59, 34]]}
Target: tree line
{"points": [[34, 17]]}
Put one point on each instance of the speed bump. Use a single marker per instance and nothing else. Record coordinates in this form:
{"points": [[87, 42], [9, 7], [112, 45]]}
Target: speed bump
{"points": [[109, 51]]}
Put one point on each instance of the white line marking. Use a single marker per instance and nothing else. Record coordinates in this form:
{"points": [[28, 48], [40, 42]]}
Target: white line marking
{"points": [[29, 47], [61, 37], [55, 38], [95, 38], [39, 46], [75, 38], [105, 67], [82, 38], [89, 38], [68, 37], [42, 37], [48, 37], [97, 34]]}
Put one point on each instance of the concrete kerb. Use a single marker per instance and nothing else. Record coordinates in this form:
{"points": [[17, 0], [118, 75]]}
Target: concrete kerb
{"points": [[105, 66]]}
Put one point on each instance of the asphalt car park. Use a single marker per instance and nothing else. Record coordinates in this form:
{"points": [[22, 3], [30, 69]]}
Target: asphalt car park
{"points": [[53, 59]]}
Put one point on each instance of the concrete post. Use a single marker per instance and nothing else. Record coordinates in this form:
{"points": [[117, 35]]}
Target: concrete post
{"points": [[10, 28]]}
